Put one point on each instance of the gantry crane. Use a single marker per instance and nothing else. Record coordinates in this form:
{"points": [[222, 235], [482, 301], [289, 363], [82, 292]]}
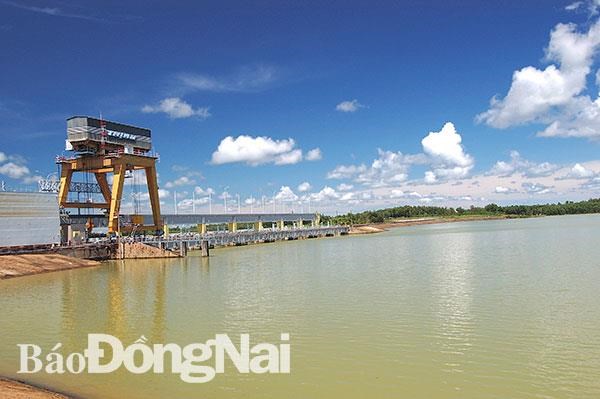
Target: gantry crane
{"points": [[102, 148]]}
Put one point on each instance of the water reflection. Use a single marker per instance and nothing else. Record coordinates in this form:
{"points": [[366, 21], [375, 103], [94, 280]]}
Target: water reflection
{"points": [[116, 315], [160, 305], [452, 273], [121, 299]]}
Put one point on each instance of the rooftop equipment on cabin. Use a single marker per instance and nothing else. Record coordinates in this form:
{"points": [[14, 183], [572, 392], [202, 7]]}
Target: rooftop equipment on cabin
{"points": [[87, 136]]}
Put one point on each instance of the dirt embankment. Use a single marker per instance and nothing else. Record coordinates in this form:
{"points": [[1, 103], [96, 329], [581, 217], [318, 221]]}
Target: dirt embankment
{"points": [[380, 227], [27, 264], [365, 229], [137, 250], [10, 389], [23, 265]]}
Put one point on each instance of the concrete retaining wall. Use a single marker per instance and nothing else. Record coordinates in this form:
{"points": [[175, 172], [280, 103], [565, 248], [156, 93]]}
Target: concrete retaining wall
{"points": [[29, 218]]}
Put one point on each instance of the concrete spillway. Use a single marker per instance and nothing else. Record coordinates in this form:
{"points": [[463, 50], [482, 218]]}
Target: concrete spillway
{"points": [[232, 220], [244, 237]]}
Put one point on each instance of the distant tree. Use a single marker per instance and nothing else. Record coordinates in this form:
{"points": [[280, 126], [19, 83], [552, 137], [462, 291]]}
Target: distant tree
{"points": [[493, 208], [408, 211]]}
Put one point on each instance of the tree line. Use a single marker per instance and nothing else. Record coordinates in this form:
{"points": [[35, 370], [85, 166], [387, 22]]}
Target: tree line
{"points": [[410, 211]]}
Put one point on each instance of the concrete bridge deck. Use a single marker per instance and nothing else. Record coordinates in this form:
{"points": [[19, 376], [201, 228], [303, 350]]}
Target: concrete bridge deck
{"points": [[243, 237], [229, 219]]}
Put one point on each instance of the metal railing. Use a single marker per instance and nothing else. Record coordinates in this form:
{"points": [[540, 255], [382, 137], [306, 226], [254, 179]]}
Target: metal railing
{"points": [[226, 238], [52, 186]]}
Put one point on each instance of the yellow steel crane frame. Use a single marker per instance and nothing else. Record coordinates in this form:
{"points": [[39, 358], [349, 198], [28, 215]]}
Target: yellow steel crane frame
{"points": [[117, 164]]}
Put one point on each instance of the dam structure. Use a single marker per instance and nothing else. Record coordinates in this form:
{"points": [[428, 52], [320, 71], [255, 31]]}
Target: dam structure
{"points": [[81, 208], [204, 223], [201, 231], [184, 241]]}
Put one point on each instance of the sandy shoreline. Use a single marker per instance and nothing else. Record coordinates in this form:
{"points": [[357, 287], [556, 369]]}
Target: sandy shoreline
{"points": [[381, 227], [11, 389], [28, 264]]}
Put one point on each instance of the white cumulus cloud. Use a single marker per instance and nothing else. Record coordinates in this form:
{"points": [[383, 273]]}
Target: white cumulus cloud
{"points": [[314, 154], [348, 197], [447, 156], [289, 158], [579, 171], [14, 171], [518, 164], [304, 187], [349, 106], [176, 108], [536, 188], [15, 167], [256, 151], [286, 194], [180, 181], [346, 171], [396, 193], [504, 190], [345, 187], [553, 95], [326, 193], [442, 151], [203, 191], [387, 169]]}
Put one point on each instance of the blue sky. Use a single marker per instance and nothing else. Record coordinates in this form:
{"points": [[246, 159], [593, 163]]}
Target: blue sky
{"points": [[364, 84]]}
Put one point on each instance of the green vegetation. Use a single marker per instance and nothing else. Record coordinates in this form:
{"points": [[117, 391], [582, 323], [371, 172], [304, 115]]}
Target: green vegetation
{"points": [[491, 210]]}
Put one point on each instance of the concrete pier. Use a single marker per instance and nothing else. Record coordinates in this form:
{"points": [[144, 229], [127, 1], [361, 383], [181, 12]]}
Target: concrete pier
{"points": [[204, 247]]}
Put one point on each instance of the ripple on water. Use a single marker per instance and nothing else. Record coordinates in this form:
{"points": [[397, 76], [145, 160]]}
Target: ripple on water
{"points": [[471, 310]]}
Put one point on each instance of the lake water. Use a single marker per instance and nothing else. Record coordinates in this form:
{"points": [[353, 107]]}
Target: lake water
{"points": [[491, 309]]}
